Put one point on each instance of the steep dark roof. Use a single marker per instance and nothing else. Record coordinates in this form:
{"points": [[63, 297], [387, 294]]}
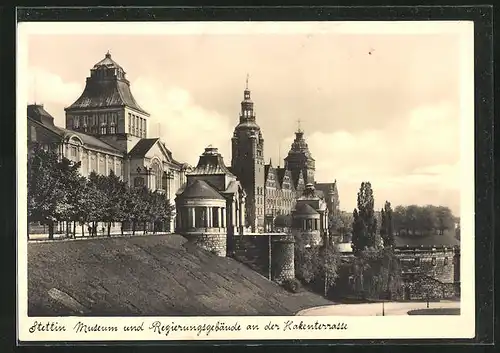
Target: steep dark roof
{"points": [[299, 149], [211, 163], [108, 63], [106, 87], [305, 209], [38, 113], [445, 240], [92, 141], [142, 147], [103, 93], [200, 189], [42, 117]]}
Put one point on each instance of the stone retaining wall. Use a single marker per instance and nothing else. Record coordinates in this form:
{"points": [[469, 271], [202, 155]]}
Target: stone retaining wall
{"points": [[282, 258], [213, 242]]}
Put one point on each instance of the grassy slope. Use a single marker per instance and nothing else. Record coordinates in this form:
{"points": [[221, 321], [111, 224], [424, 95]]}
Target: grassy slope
{"points": [[151, 275]]}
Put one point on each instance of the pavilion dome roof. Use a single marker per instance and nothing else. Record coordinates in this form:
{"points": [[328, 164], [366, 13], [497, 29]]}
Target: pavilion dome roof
{"points": [[305, 209], [200, 189]]}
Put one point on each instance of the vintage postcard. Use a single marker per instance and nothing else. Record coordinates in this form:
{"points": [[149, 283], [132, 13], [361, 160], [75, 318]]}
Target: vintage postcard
{"points": [[245, 180]]}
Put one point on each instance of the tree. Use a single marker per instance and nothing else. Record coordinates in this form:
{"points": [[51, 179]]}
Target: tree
{"points": [[97, 201], [364, 223], [383, 225], [445, 219], [329, 265], [48, 199], [306, 260], [70, 179], [386, 227], [399, 219], [358, 233], [377, 273], [113, 190]]}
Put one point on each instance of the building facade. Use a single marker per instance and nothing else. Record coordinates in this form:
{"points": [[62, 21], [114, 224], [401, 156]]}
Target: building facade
{"points": [[247, 162], [272, 191], [310, 217], [211, 205], [106, 130]]}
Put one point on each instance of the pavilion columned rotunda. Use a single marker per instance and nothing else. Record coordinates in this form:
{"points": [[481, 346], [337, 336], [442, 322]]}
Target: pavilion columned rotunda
{"points": [[211, 204]]}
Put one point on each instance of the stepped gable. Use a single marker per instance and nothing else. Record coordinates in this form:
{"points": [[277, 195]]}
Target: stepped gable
{"points": [[280, 174], [39, 115], [106, 87], [200, 189], [267, 168], [211, 162], [305, 209]]}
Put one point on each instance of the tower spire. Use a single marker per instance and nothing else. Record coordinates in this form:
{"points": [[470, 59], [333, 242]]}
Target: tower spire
{"points": [[246, 83]]}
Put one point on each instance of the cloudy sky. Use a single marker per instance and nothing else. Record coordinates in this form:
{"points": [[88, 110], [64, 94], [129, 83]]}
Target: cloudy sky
{"points": [[383, 108]]}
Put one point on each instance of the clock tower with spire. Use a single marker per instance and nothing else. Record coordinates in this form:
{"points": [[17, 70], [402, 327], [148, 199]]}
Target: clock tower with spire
{"points": [[247, 161]]}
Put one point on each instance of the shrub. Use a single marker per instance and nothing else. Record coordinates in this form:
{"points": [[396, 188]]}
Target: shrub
{"points": [[292, 285]]}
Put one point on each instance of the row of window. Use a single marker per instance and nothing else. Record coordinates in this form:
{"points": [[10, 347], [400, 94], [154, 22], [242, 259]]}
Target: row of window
{"points": [[97, 162], [95, 120], [103, 130], [105, 72], [136, 125], [272, 192], [416, 261]]}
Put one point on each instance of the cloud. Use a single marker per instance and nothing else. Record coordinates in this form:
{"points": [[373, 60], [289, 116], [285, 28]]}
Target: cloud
{"points": [[49, 87], [390, 118], [52, 91], [412, 160], [186, 127]]}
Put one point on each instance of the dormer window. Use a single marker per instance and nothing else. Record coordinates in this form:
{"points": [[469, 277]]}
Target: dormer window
{"points": [[103, 129], [112, 128]]}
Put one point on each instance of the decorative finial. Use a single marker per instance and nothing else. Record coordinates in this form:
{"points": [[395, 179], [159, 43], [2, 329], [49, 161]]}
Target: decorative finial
{"points": [[108, 55], [246, 85], [299, 129]]}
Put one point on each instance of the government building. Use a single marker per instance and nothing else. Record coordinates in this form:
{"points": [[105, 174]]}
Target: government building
{"points": [[107, 130], [273, 191]]}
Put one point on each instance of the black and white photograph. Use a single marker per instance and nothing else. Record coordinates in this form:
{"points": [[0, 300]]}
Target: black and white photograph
{"points": [[245, 180]]}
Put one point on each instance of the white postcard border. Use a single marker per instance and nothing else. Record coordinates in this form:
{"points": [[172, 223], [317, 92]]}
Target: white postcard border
{"points": [[387, 327]]}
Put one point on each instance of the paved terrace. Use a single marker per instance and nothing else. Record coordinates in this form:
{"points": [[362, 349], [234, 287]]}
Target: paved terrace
{"points": [[375, 309]]}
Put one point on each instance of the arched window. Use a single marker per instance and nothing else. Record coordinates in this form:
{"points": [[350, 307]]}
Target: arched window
{"points": [[157, 176]]}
